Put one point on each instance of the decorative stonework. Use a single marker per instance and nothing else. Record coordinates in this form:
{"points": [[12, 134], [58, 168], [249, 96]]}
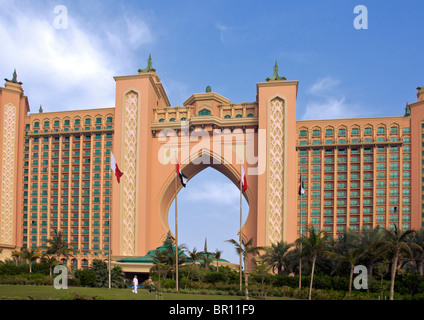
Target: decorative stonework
{"points": [[276, 170], [129, 190], [8, 174]]}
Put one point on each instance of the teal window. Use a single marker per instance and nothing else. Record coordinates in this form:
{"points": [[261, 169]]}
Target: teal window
{"points": [[204, 112]]}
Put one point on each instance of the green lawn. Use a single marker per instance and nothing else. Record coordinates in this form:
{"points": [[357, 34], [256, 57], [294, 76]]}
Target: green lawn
{"points": [[20, 292]]}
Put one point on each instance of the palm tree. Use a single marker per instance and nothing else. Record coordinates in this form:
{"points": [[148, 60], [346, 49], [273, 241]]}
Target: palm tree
{"points": [[194, 255], [372, 241], [167, 254], [275, 256], [418, 249], [30, 255], [314, 245], [206, 256], [351, 256], [218, 254], [59, 247], [396, 243], [245, 250], [50, 261]]}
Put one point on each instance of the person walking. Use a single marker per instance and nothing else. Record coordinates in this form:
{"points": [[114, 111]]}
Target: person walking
{"points": [[150, 284], [135, 282]]}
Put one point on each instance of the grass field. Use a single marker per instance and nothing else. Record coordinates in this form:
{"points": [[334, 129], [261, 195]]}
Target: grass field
{"points": [[20, 292]]}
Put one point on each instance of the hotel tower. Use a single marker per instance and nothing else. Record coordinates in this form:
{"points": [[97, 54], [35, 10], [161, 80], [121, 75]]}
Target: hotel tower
{"points": [[55, 174]]}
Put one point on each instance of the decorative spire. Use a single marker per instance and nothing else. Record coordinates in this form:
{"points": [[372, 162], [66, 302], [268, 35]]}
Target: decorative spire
{"points": [[208, 89], [276, 76], [14, 78], [149, 66], [419, 88], [41, 109], [407, 110]]}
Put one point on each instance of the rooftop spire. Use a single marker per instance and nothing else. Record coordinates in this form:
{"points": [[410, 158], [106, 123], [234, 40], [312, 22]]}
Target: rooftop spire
{"points": [[14, 78], [149, 66], [275, 75]]}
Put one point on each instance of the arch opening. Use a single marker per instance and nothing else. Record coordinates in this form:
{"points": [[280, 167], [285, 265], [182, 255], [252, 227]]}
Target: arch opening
{"points": [[209, 211]]}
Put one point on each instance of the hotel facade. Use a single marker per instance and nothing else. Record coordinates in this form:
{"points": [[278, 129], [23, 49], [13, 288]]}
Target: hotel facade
{"points": [[55, 175]]}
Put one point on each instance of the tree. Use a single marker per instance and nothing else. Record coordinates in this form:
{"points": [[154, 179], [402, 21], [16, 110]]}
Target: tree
{"points": [[276, 254], [314, 245], [372, 241], [167, 254], [59, 247], [194, 255], [218, 254], [418, 249], [50, 261], [206, 256], [350, 256], [30, 255], [245, 250], [396, 243], [262, 271]]}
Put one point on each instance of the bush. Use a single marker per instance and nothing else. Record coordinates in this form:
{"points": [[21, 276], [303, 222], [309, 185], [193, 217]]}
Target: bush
{"points": [[87, 277]]}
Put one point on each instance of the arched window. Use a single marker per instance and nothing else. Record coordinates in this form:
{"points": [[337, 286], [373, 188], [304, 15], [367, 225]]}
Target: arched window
{"points": [[204, 112], [227, 116], [239, 116], [250, 115]]}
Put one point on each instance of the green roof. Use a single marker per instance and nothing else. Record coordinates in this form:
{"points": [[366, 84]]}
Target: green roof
{"points": [[148, 258]]}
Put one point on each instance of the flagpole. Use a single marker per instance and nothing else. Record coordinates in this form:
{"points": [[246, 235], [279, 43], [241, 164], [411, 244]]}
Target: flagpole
{"points": [[300, 252], [300, 236], [176, 227], [241, 213], [110, 228]]}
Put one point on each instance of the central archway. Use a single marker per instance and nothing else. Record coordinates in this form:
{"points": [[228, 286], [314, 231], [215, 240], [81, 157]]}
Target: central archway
{"points": [[209, 210], [191, 169]]}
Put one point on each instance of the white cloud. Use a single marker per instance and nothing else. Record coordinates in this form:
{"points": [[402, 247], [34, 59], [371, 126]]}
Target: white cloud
{"points": [[71, 68], [328, 102], [214, 192], [323, 86]]}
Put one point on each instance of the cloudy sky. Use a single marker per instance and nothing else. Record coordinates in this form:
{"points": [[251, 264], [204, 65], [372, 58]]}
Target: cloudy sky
{"points": [[229, 45]]}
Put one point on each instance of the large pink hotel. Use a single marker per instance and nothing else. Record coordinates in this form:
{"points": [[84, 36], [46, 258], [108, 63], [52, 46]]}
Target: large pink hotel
{"points": [[359, 173]]}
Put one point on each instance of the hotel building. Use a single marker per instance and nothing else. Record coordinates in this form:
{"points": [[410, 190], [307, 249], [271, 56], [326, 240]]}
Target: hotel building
{"points": [[358, 173]]}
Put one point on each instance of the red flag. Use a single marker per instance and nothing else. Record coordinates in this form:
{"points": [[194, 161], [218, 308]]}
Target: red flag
{"points": [[114, 167], [243, 180]]}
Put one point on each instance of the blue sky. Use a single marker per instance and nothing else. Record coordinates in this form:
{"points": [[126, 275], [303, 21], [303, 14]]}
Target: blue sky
{"points": [[229, 45]]}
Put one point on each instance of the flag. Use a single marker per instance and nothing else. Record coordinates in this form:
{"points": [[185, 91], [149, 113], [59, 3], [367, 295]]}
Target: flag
{"points": [[183, 178], [243, 180], [114, 167], [301, 187]]}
